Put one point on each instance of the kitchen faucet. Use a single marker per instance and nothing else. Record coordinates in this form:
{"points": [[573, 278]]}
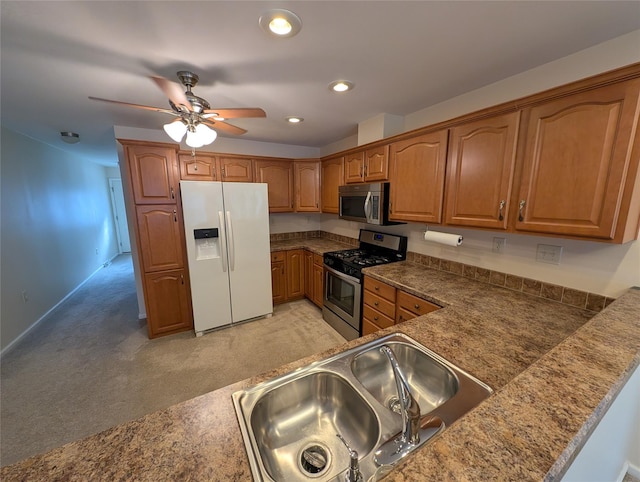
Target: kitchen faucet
{"points": [[397, 448]]}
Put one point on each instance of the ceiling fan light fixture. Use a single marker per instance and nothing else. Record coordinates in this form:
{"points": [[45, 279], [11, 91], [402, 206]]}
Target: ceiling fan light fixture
{"points": [[70, 137], [280, 22], [341, 86], [176, 129], [294, 119], [200, 135]]}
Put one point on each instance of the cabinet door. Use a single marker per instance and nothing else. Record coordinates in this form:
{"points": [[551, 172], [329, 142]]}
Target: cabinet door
{"points": [[576, 156], [279, 177], [160, 229], [307, 184], [376, 164], [332, 178], [236, 169], [417, 178], [308, 275], [167, 303], [318, 285], [154, 174], [278, 282], [354, 167], [200, 167], [295, 274], [480, 172]]}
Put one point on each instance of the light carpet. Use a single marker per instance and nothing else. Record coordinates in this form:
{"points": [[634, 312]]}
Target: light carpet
{"points": [[89, 365]]}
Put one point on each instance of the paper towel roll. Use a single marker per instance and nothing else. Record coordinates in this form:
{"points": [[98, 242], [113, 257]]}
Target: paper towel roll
{"points": [[443, 238]]}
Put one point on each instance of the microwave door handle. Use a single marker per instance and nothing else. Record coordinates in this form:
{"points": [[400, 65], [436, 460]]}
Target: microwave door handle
{"points": [[367, 206]]}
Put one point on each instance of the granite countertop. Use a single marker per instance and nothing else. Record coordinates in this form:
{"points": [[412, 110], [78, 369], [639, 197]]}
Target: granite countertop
{"points": [[315, 245], [555, 369]]}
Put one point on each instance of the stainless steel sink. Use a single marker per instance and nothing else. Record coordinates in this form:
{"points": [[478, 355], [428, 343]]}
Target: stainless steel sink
{"points": [[295, 426], [290, 423]]}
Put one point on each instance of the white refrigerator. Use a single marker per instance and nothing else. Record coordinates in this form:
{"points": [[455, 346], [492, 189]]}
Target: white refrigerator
{"points": [[227, 235]]}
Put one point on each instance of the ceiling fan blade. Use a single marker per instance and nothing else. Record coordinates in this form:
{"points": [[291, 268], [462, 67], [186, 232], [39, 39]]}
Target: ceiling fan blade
{"points": [[236, 113], [224, 127], [173, 91], [137, 106]]}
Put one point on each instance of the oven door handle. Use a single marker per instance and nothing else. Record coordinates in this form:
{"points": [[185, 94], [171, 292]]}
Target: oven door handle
{"points": [[340, 275]]}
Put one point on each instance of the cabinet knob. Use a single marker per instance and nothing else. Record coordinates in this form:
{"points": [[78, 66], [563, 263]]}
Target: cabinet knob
{"points": [[182, 278], [501, 207], [520, 209], [175, 216], [416, 306], [401, 318], [375, 303], [376, 288], [375, 318], [173, 194]]}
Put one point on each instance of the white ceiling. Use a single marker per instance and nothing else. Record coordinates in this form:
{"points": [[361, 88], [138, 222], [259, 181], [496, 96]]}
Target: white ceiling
{"points": [[402, 55]]}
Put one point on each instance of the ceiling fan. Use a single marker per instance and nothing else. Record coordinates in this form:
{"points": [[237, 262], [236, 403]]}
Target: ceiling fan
{"points": [[193, 115]]}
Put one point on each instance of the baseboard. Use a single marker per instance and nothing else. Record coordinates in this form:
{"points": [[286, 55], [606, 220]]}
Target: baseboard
{"points": [[633, 470], [7, 348]]}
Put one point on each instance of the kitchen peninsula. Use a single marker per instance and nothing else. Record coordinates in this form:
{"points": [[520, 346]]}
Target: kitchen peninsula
{"points": [[540, 357]]}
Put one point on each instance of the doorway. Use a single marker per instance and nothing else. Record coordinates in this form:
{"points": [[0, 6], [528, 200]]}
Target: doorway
{"points": [[120, 216]]}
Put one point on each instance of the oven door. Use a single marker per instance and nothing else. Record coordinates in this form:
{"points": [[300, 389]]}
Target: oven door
{"points": [[342, 302]]}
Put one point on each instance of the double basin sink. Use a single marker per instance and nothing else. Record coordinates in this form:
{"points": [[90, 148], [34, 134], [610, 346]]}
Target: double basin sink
{"points": [[318, 421]]}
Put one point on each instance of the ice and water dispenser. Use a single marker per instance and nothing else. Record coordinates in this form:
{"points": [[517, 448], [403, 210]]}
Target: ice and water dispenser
{"points": [[207, 243]]}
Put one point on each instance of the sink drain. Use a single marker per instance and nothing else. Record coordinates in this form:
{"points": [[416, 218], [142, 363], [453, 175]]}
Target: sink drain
{"points": [[314, 459]]}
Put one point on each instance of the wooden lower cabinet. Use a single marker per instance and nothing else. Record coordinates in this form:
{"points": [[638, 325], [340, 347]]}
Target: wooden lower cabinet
{"points": [[318, 281], [167, 302], [287, 275], [295, 274], [384, 306], [313, 278]]}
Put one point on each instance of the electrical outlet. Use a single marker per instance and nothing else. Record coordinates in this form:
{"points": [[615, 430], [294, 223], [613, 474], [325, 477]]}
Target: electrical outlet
{"points": [[96, 250], [25, 297], [498, 245], [548, 253]]}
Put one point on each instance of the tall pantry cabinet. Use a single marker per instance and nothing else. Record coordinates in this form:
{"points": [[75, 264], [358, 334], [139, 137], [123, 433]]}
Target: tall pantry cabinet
{"points": [[154, 177]]}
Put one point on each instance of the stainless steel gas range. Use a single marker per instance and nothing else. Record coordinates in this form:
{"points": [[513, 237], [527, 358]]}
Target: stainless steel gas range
{"points": [[343, 278]]}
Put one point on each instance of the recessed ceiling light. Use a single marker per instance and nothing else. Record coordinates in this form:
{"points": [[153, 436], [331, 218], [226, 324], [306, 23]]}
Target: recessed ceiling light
{"points": [[280, 22], [70, 137], [341, 85], [294, 119]]}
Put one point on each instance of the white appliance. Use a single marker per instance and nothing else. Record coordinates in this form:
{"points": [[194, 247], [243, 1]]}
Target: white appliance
{"points": [[227, 234]]}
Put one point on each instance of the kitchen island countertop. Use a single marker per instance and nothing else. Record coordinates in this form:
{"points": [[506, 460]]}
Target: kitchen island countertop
{"points": [[555, 369]]}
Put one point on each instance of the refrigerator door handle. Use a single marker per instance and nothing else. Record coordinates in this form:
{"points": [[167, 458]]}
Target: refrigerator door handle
{"points": [[223, 242], [232, 244]]}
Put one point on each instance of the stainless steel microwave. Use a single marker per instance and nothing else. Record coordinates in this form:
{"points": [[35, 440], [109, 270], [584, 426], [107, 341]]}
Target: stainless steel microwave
{"points": [[365, 203]]}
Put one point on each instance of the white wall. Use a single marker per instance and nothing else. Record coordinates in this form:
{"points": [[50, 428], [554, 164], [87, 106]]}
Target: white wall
{"points": [[56, 213], [614, 446]]}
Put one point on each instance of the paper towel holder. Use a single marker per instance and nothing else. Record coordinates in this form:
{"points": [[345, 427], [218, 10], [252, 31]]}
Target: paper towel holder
{"points": [[459, 237]]}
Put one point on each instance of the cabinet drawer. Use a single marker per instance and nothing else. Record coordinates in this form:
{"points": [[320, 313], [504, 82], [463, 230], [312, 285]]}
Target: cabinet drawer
{"points": [[403, 315], [415, 305], [380, 304], [368, 327], [278, 256], [376, 317], [318, 260], [380, 289]]}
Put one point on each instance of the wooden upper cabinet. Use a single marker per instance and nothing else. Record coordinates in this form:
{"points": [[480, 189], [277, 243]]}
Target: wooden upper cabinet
{"points": [[578, 153], [376, 164], [236, 169], [279, 177], [480, 170], [160, 230], [332, 178], [154, 173], [417, 177], [307, 185], [201, 167], [354, 167]]}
